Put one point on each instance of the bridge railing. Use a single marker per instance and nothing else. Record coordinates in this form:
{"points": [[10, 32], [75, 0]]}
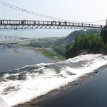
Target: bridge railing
{"points": [[26, 24]]}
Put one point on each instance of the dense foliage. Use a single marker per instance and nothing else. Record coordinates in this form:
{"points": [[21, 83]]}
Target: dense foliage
{"points": [[71, 37], [85, 43], [75, 43], [104, 34], [49, 46], [43, 42], [60, 45]]}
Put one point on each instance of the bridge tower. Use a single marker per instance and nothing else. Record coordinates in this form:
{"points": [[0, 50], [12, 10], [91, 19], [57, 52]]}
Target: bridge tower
{"points": [[104, 33]]}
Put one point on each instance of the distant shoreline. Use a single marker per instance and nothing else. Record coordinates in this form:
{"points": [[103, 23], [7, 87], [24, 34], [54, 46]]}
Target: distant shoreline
{"points": [[45, 54], [35, 102]]}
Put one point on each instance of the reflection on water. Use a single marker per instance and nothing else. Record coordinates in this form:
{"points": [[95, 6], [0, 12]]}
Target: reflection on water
{"points": [[18, 57]]}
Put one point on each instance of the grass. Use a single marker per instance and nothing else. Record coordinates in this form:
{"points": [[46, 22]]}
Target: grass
{"points": [[48, 53], [51, 54]]}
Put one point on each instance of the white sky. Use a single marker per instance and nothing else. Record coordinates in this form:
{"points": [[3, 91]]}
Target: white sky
{"points": [[74, 10]]}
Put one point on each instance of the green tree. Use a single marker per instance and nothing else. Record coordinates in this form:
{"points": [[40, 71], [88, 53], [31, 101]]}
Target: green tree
{"points": [[89, 43], [104, 34]]}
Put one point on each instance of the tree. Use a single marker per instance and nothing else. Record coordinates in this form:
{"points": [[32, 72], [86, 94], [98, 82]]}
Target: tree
{"points": [[104, 34], [89, 43]]}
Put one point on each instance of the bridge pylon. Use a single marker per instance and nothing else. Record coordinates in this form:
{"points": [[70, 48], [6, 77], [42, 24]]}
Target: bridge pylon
{"points": [[104, 33], [106, 22]]}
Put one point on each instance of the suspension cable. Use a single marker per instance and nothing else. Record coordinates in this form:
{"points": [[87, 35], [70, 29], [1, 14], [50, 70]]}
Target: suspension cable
{"points": [[28, 12], [39, 14]]}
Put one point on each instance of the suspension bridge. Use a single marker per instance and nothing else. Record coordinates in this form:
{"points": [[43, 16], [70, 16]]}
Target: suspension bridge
{"points": [[9, 38], [7, 41], [36, 24], [51, 23], [10, 41]]}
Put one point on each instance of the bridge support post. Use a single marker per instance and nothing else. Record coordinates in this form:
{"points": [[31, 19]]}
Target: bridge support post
{"points": [[104, 33]]}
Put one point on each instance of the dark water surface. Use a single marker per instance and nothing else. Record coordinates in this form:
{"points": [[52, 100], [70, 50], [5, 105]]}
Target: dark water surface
{"points": [[90, 93], [18, 57]]}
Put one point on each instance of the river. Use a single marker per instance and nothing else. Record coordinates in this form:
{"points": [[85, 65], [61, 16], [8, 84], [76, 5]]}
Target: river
{"points": [[32, 81], [12, 58], [90, 93]]}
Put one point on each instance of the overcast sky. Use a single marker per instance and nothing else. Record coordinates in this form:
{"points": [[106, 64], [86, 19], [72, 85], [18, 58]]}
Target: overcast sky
{"points": [[74, 10]]}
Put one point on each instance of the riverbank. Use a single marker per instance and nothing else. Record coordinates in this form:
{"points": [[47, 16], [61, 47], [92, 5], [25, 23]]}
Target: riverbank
{"points": [[49, 54], [37, 101]]}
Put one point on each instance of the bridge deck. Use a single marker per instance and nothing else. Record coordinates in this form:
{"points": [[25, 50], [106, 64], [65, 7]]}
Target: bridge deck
{"points": [[36, 24]]}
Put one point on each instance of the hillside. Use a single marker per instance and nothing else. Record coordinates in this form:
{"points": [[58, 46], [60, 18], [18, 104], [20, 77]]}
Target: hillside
{"points": [[71, 37], [60, 45], [57, 46]]}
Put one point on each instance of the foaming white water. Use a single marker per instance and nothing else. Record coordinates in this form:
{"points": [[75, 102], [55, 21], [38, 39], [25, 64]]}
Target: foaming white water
{"points": [[32, 81], [3, 103]]}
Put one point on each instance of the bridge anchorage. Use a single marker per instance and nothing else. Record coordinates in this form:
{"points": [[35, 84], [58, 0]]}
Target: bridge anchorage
{"points": [[36, 24]]}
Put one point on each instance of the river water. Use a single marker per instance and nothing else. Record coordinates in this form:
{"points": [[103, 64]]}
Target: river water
{"points": [[91, 93], [31, 81], [12, 58]]}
